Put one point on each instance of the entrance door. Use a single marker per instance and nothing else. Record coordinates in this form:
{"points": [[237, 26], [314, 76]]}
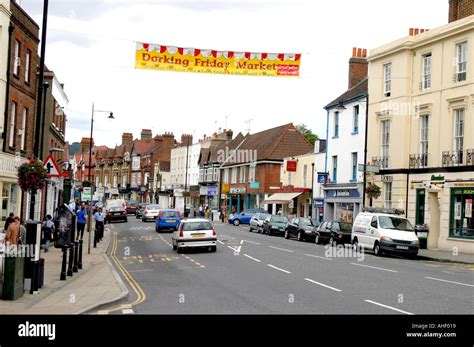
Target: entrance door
{"points": [[435, 216], [420, 206]]}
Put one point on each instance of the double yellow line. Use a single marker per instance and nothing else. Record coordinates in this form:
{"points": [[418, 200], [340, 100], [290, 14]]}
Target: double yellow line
{"points": [[141, 297]]}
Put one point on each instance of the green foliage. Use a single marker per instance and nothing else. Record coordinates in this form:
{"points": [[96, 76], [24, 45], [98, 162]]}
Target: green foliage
{"points": [[373, 191], [310, 136]]}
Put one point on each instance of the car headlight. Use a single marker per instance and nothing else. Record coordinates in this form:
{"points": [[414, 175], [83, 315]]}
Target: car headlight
{"points": [[416, 242], [386, 238]]}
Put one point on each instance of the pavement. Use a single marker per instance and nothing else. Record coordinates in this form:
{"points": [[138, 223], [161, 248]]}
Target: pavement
{"points": [[253, 273], [96, 284]]}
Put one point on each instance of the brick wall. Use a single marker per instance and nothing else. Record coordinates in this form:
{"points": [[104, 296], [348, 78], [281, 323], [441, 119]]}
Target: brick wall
{"points": [[358, 66], [459, 9]]}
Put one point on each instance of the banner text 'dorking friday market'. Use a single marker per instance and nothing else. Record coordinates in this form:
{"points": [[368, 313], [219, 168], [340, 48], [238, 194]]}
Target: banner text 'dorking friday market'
{"points": [[170, 58]]}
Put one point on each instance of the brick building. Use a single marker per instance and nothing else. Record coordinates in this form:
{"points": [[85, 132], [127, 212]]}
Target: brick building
{"points": [[459, 9]]}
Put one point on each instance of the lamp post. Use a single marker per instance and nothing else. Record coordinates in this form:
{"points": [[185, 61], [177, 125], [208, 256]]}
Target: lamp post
{"points": [[89, 222], [186, 177]]}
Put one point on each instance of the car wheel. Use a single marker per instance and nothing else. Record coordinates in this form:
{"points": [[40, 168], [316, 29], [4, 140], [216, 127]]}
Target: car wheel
{"points": [[175, 248], [236, 222], [250, 230], [317, 240], [377, 250], [300, 237], [126, 220], [179, 250], [157, 229], [213, 249], [286, 235], [269, 232]]}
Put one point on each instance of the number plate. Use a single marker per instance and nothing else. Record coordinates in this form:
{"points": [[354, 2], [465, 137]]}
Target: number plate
{"points": [[402, 247], [171, 221], [198, 236]]}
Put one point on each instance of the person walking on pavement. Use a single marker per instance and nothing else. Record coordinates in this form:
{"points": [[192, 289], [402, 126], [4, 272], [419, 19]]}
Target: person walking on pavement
{"points": [[22, 232], [99, 218], [48, 232], [12, 236], [10, 219], [81, 216]]}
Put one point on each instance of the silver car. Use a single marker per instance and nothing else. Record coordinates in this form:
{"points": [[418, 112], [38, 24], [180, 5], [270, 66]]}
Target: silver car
{"points": [[193, 233], [151, 212], [256, 222]]}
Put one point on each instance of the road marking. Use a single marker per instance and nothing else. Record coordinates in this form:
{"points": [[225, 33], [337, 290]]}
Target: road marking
{"points": [[461, 284], [222, 243], [281, 249], [374, 267], [145, 270], [277, 268], [389, 307], [323, 285], [248, 256], [316, 256], [128, 311], [254, 243], [237, 250]]}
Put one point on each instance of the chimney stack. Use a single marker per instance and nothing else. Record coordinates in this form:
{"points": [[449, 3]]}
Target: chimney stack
{"points": [[127, 138], [146, 135], [358, 66], [186, 140], [229, 134], [85, 144], [416, 31], [459, 9]]}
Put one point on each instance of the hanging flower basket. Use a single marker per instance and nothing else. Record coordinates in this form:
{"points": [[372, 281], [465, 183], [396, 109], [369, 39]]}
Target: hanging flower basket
{"points": [[32, 176], [373, 191]]}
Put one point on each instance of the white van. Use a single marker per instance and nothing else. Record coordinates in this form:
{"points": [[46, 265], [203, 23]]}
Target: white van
{"points": [[382, 232]]}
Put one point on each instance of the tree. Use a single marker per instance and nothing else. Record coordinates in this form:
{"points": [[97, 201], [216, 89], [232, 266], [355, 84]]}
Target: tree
{"points": [[310, 136]]}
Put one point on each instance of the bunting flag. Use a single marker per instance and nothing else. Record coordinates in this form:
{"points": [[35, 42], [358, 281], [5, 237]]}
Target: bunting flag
{"points": [[170, 58]]}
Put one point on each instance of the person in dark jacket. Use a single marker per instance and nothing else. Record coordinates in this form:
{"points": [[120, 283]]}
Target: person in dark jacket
{"points": [[10, 219]]}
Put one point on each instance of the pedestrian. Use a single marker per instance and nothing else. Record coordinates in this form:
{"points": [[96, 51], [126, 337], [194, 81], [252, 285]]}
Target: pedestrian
{"points": [[12, 236], [48, 232], [22, 232], [99, 218], [10, 219], [201, 211], [81, 217]]}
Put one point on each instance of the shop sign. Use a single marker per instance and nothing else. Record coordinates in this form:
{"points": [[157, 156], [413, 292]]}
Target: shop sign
{"points": [[238, 190], [87, 194], [255, 185], [318, 202], [225, 188], [323, 177], [387, 179], [343, 193], [203, 190], [291, 165], [437, 179], [212, 191], [468, 211]]}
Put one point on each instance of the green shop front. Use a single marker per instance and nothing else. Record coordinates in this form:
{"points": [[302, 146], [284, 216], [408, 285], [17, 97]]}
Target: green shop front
{"points": [[461, 220]]}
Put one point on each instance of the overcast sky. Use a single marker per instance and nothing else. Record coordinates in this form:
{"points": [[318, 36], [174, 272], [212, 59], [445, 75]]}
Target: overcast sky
{"points": [[91, 48]]}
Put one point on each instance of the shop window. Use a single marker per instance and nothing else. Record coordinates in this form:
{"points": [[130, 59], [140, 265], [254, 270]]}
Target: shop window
{"points": [[462, 222]]}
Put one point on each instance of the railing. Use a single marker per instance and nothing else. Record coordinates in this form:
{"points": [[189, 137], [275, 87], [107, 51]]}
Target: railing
{"points": [[470, 157], [418, 161], [381, 162], [452, 158]]}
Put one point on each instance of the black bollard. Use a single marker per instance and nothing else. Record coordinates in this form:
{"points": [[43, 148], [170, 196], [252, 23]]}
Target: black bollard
{"points": [[96, 236], [63, 267], [76, 256], [79, 263], [71, 259]]}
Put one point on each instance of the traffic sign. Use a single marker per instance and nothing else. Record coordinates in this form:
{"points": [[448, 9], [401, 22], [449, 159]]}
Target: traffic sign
{"points": [[369, 168], [52, 167]]}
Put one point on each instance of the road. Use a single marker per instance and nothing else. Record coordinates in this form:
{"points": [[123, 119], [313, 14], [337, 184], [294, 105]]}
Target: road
{"points": [[253, 273]]}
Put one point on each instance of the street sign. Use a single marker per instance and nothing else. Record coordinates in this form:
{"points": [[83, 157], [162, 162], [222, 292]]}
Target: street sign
{"points": [[87, 194], [52, 167], [323, 177], [368, 168]]}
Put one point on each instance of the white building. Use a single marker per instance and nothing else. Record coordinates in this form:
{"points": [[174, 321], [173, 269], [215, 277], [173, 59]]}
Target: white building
{"points": [[319, 174]]}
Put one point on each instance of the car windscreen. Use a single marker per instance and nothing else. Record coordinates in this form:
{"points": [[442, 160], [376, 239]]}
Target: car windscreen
{"points": [[279, 219], [153, 207], [306, 222], [131, 203], [197, 226], [395, 223], [345, 227], [315, 222], [262, 216], [170, 214]]}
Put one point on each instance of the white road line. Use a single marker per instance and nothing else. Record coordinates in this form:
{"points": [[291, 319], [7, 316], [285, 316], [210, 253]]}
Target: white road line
{"points": [[128, 311], [235, 249], [254, 243], [281, 249], [222, 243], [315, 256], [277, 268], [389, 307], [144, 270], [323, 285], [374, 267], [248, 256], [461, 284]]}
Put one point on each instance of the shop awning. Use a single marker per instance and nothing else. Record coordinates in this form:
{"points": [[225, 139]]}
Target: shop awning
{"points": [[281, 198]]}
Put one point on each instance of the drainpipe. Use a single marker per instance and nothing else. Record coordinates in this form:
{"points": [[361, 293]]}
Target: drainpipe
{"points": [[7, 94], [327, 143], [365, 149]]}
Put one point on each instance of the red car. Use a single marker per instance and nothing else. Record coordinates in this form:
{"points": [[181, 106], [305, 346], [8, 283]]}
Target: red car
{"points": [[132, 207]]}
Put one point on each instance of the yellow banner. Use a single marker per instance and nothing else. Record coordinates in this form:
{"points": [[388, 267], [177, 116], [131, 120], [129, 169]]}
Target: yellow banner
{"points": [[169, 58]]}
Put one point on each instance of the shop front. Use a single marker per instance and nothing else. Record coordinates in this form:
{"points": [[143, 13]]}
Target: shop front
{"points": [[461, 221], [10, 192], [342, 203]]}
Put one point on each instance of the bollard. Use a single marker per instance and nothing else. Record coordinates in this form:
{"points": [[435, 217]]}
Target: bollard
{"points": [[71, 259], [76, 257], [95, 236], [79, 263], [64, 264]]}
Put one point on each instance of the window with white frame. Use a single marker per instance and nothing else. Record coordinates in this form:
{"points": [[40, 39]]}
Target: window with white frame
{"points": [[242, 174], [354, 166], [424, 131], [27, 66], [225, 179], [427, 71], [106, 180], [115, 181], [385, 125], [305, 175], [334, 169], [16, 63], [336, 124], [461, 66], [387, 79], [136, 163], [458, 134], [11, 139], [97, 180], [355, 122], [388, 194], [252, 173], [234, 175], [216, 174], [22, 131], [124, 181]]}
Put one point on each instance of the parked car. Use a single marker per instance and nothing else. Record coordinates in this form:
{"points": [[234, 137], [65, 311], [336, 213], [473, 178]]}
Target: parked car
{"points": [[244, 217], [116, 213], [141, 209], [385, 233], [304, 229], [193, 233], [151, 212], [256, 222], [132, 207], [275, 225], [334, 233], [167, 219]]}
